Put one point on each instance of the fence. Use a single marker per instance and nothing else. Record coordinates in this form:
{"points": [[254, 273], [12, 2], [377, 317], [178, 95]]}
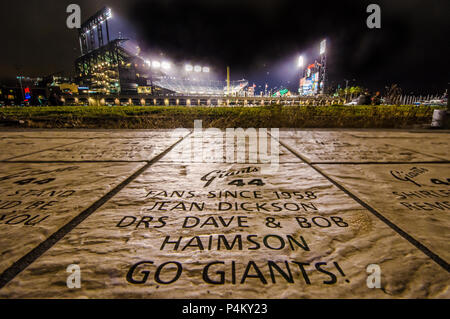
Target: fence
{"points": [[412, 99]]}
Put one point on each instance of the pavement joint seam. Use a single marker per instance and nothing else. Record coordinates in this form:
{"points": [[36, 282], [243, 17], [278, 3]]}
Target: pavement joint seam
{"points": [[410, 150], [437, 259], [26, 260], [380, 163], [74, 162]]}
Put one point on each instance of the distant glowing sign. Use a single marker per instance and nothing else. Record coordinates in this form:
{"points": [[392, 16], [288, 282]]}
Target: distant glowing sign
{"points": [[316, 77], [282, 92], [27, 94], [308, 86]]}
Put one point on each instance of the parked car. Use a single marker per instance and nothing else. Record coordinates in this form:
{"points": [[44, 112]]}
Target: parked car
{"points": [[354, 102], [441, 102]]}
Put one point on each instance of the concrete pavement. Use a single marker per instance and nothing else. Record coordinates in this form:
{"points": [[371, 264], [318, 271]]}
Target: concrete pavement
{"points": [[181, 214]]}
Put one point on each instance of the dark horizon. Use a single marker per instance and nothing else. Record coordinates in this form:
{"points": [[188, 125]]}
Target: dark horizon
{"points": [[259, 40]]}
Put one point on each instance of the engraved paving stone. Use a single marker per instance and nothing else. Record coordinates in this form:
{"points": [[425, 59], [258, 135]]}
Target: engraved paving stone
{"points": [[102, 149], [416, 197], [97, 133], [231, 231], [312, 134], [437, 146], [36, 200], [12, 147], [324, 147]]}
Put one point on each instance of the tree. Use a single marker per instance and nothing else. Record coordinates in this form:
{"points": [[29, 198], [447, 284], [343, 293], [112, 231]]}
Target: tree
{"points": [[356, 90]]}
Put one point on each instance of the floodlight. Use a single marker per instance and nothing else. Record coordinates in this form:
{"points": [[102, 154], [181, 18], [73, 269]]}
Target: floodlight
{"points": [[156, 64], [189, 68], [323, 47], [198, 69], [301, 61], [165, 65], [206, 69]]}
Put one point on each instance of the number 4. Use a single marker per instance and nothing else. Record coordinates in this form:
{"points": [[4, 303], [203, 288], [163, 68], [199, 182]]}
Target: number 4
{"points": [[257, 182], [240, 182]]}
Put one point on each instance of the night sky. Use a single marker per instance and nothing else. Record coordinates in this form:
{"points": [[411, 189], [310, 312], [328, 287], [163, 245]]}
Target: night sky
{"points": [[259, 39]]}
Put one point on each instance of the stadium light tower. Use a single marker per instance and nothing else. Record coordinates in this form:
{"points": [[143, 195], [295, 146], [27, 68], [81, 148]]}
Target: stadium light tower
{"points": [[301, 66], [323, 47], [206, 69], [323, 62], [94, 25], [189, 68], [108, 14], [198, 69], [156, 64]]}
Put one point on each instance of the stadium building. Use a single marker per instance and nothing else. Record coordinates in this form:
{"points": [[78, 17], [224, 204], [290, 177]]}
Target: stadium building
{"points": [[108, 67]]}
